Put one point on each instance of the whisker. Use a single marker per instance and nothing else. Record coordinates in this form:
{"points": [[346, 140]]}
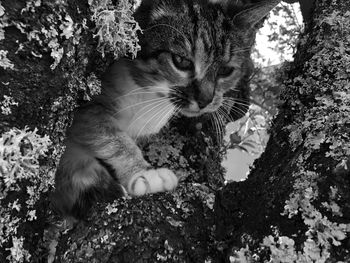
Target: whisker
{"points": [[237, 100], [177, 111], [140, 103], [166, 116], [223, 125], [234, 89], [145, 88], [238, 110], [222, 131], [157, 114], [132, 91], [177, 108], [242, 102], [226, 106], [233, 105], [137, 91], [240, 50], [219, 127], [230, 106], [212, 120], [158, 103], [228, 102], [244, 114], [151, 118], [224, 113], [179, 93]]}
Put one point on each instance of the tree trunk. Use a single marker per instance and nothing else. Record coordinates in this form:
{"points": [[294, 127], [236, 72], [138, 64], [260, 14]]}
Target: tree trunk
{"points": [[294, 206], [48, 62]]}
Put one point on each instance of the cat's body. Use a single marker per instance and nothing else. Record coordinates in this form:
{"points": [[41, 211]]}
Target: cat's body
{"points": [[193, 54]]}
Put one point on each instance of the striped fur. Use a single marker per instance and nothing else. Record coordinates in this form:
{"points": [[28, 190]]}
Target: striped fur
{"points": [[193, 54]]}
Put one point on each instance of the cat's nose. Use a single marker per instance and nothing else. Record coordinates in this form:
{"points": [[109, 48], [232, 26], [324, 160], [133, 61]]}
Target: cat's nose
{"points": [[204, 101], [203, 92]]}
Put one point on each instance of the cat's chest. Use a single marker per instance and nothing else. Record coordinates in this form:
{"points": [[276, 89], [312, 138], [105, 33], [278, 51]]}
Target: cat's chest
{"points": [[144, 115]]}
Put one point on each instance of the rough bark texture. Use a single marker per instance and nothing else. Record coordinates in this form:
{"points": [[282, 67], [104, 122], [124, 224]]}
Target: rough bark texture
{"points": [[303, 172], [44, 71], [305, 166]]}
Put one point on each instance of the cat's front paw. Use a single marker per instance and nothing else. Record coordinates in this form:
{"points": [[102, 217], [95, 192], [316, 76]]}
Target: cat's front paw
{"points": [[152, 181]]}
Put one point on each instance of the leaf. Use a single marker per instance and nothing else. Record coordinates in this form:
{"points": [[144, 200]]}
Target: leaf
{"points": [[252, 145], [235, 138]]}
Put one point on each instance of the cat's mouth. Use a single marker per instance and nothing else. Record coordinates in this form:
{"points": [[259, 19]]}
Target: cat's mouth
{"points": [[195, 111], [190, 108], [190, 113]]}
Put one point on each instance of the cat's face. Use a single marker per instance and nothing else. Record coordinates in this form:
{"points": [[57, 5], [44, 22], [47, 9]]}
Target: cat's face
{"points": [[194, 53]]}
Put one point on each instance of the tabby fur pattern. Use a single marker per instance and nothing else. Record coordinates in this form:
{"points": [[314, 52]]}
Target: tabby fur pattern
{"points": [[194, 54]]}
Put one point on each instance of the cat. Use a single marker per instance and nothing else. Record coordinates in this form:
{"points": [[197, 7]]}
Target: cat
{"points": [[193, 54]]}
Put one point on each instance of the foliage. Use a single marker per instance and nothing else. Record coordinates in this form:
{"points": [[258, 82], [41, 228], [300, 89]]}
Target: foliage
{"points": [[285, 35], [250, 134]]}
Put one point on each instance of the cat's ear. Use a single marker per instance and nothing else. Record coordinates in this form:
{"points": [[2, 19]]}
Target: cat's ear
{"points": [[151, 10], [254, 14], [251, 14], [144, 11]]}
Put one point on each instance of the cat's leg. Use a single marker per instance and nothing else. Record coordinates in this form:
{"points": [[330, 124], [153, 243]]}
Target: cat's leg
{"points": [[122, 155], [98, 159], [152, 181], [133, 172], [80, 181]]}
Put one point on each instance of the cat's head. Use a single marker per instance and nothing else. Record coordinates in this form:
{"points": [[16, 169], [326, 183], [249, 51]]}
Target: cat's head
{"points": [[195, 52]]}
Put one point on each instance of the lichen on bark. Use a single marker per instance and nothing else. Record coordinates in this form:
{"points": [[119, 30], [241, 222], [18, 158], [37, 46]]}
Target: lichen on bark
{"points": [[304, 212], [49, 63]]}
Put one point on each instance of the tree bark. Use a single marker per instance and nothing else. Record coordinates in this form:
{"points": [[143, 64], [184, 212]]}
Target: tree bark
{"points": [[305, 166], [44, 71], [303, 172]]}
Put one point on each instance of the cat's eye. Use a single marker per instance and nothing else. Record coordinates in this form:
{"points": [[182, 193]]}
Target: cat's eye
{"points": [[225, 71], [182, 63]]}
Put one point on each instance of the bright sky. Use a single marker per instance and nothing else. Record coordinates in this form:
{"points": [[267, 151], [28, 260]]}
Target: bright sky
{"points": [[265, 47]]}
